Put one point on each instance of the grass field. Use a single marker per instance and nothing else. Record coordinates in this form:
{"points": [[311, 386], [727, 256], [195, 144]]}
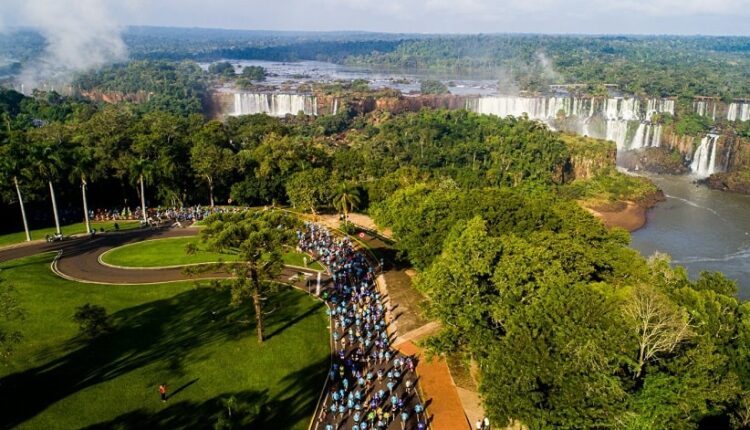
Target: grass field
{"points": [[70, 229], [162, 333], [171, 252]]}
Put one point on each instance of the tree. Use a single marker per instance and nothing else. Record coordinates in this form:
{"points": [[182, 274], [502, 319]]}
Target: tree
{"points": [[210, 156], [258, 238], [347, 198], [83, 167], [659, 325], [12, 166], [92, 320], [255, 73], [159, 141], [143, 170], [10, 310], [223, 68], [309, 189], [432, 86], [46, 158]]}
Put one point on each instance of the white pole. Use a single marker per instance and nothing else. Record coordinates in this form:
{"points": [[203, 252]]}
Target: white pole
{"points": [[317, 289], [54, 208], [23, 211], [85, 206], [143, 200]]}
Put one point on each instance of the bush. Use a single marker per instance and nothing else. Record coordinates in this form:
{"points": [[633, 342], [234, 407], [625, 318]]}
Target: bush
{"points": [[254, 73], [347, 227], [430, 86], [92, 320]]}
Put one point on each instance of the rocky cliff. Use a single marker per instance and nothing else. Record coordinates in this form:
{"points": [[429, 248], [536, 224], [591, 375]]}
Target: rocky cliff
{"points": [[116, 96]]}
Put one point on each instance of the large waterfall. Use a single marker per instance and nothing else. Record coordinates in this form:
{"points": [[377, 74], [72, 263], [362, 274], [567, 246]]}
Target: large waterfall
{"points": [[626, 121], [705, 108], [739, 111], [646, 135], [704, 159], [274, 104]]}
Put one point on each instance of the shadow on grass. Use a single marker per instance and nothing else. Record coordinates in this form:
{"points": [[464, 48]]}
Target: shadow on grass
{"points": [[186, 414], [287, 323], [182, 388], [293, 408], [165, 332]]}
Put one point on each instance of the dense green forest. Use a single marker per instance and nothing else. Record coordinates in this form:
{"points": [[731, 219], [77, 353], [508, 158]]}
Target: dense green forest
{"points": [[569, 326], [178, 87], [251, 158], [641, 65], [648, 65]]}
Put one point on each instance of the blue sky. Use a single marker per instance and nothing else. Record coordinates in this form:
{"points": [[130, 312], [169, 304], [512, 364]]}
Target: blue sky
{"points": [[425, 16]]}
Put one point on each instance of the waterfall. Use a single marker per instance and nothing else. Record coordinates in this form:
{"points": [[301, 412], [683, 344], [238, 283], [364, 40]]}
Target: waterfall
{"points": [[704, 159], [738, 111], [700, 108], [618, 113], [656, 135], [646, 136], [274, 104], [727, 158], [617, 131], [703, 107], [641, 135], [335, 106], [659, 106]]}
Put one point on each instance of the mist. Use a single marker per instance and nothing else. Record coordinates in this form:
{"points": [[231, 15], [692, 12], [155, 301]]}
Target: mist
{"points": [[80, 35]]}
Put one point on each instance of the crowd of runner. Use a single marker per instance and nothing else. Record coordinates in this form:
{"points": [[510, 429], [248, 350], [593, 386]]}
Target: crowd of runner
{"points": [[370, 385], [160, 215]]}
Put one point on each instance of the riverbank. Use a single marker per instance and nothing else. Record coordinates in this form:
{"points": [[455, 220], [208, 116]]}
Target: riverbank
{"points": [[630, 215]]}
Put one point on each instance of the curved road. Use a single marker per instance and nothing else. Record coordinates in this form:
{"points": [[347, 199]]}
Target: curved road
{"points": [[78, 259]]}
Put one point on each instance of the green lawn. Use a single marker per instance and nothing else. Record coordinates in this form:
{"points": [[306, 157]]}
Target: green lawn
{"points": [[70, 229], [162, 333], [171, 252]]}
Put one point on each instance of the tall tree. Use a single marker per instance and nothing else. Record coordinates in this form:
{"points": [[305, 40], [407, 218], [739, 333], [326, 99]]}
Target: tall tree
{"points": [[309, 189], [210, 157], [84, 167], [258, 238], [46, 160], [12, 166], [347, 198], [159, 138], [142, 169]]}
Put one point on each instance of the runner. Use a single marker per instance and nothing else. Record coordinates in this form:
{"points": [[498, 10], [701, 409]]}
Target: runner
{"points": [[367, 386]]}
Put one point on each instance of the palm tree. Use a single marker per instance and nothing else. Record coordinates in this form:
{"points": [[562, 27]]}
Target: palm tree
{"points": [[11, 168], [347, 198], [45, 163], [83, 166], [142, 169]]}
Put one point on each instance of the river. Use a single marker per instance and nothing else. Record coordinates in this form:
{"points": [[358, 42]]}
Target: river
{"points": [[284, 73], [702, 229]]}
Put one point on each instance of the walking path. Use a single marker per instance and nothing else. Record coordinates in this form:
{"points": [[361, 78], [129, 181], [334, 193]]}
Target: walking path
{"points": [[370, 385], [444, 405]]}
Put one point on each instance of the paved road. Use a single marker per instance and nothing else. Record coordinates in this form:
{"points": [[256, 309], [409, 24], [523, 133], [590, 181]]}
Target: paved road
{"points": [[79, 259]]}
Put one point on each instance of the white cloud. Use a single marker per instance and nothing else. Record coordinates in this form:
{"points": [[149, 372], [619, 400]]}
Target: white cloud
{"points": [[80, 35], [680, 7]]}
